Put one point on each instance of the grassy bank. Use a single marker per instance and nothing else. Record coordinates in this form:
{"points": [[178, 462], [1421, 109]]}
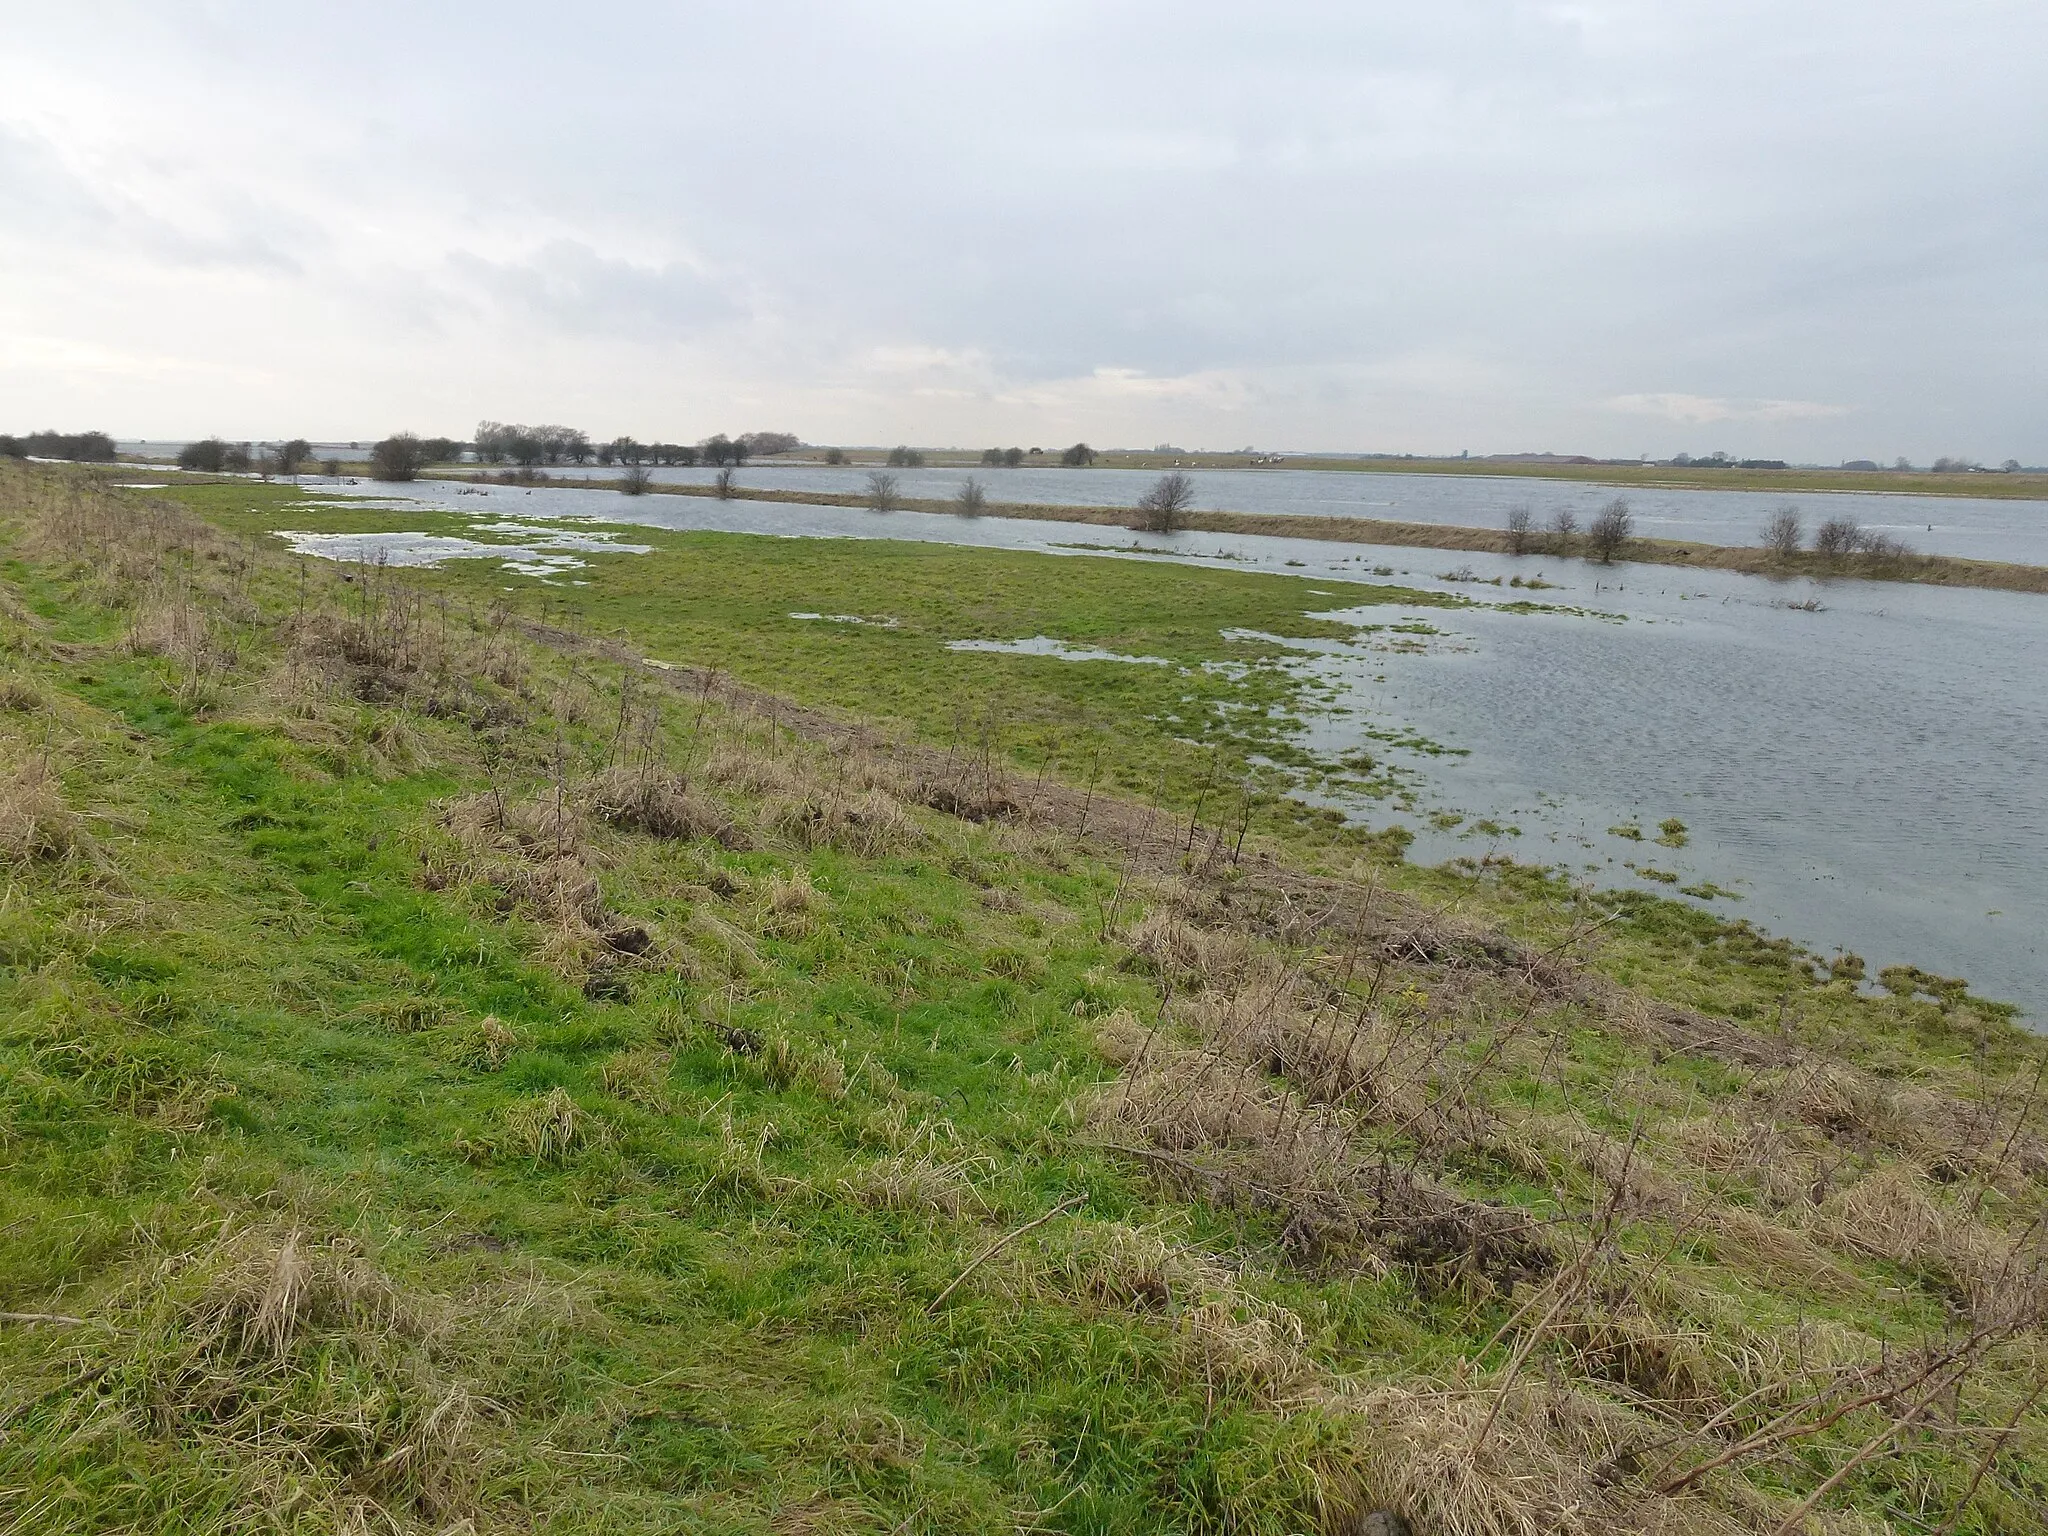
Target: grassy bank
{"points": [[1933, 570], [455, 1076], [2000, 487]]}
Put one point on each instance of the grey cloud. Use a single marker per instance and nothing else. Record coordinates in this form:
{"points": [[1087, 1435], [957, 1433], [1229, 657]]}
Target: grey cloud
{"points": [[1337, 224], [567, 285], [57, 206]]}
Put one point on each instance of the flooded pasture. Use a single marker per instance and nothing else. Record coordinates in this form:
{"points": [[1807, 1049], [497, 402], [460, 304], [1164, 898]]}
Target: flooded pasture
{"points": [[1856, 765]]}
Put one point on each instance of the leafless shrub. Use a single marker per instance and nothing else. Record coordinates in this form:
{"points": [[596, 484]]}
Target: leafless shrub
{"points": [[1782, 533], [970, 500], [722, 484], [1838, 537], [1611, 527], [1521, 524], [1564, 527], [881, 492], [636, 481], [1164, 508]]}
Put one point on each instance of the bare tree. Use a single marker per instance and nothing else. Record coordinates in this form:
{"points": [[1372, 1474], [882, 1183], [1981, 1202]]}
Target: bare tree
{"points": [[1078, 455], [1564, 527], [723, 485], [1838, 536], [494, 441], [1610, 529], [970, 500], [881, 491], [1782, 534], [635, 481], [1164, 508], [835, 455], [1521, 521]]}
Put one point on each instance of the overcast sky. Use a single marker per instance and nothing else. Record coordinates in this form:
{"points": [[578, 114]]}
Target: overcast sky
{"points": [[1814, 229]]}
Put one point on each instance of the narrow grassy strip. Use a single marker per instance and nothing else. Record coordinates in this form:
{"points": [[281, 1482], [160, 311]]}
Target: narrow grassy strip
{"points": [[1930, 570]]}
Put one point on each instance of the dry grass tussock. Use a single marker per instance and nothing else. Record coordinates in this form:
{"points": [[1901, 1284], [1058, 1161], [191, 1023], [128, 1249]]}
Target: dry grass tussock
{"points": [[870, 824], [791, 906], [535, 855], [36, 825], [1221, 1335], [312, 1389], [660, 804], [1187, 955], [847, 799], [547, 1127], [1210, 1126], [919, 1185], [640, 1077], [1516, 1459]]}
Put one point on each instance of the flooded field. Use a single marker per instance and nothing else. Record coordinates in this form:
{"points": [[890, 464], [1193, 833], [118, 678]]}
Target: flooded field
{"points": [[1850, 764]]}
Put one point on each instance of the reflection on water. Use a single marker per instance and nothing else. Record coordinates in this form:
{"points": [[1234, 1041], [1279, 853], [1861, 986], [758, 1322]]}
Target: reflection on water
{"points": [[1860, 762]]}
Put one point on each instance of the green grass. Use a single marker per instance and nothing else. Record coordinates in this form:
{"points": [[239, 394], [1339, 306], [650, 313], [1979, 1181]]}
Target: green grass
{"points": [[598, 1245], [1224, 714]]}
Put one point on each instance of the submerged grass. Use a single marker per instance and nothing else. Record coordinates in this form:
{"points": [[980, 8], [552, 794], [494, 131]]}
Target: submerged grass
{"points": [[454, 1077]]}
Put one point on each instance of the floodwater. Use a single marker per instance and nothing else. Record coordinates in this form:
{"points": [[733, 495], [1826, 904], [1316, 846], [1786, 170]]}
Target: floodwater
{"points": [[1977, 528], [1857, 765]]}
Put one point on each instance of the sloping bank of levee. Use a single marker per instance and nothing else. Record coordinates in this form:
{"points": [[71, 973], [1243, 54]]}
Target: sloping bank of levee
{"points": [[1932, 570], [455, 1078]]}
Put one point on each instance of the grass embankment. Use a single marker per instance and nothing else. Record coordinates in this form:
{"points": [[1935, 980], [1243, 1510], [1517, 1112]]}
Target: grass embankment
{"points": [[457, 1079], [1933, 570]]}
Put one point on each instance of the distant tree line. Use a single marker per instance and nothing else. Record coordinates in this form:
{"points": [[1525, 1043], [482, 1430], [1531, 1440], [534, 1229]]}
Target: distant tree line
{"points": [[85, 447], [499, 442], [627, 451], [1718, 460]]}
